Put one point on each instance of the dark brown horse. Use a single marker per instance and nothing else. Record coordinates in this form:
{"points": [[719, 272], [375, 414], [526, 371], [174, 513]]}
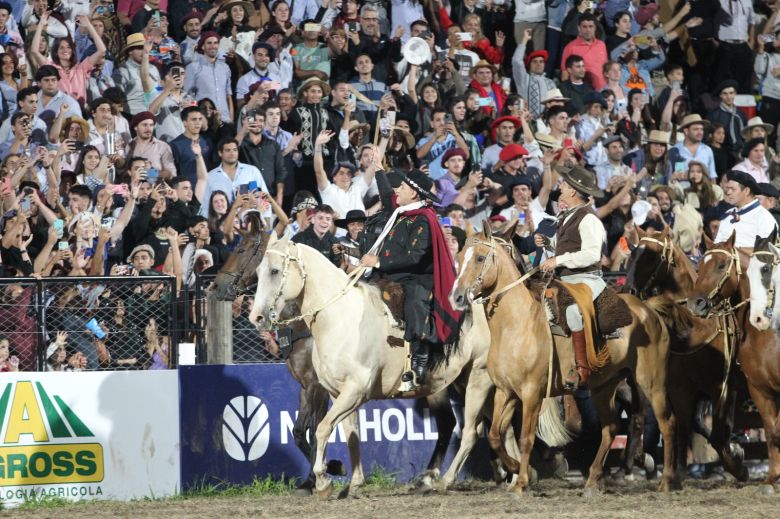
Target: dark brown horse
{"points": [[723, 287], [239, 276], [696, 362]]}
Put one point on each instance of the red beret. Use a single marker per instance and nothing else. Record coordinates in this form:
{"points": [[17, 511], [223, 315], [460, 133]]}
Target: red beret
{"points": [[141, 117], [453, 152], [536, 54], [512, 151], [205, 36], [192, 15]]}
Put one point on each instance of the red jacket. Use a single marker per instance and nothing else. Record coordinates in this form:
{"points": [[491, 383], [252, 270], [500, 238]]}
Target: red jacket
{"points": [[495, 55], [497, 90]]}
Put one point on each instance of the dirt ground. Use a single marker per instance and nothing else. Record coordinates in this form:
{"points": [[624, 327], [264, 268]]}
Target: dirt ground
{"points": [[549, 498]]}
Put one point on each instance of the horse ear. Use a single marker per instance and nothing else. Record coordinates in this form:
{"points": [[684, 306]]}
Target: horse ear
{"points": [[772, 238], [640, 232], [486, 230], [666, 230], [508, 231], [732, 239], [708, 243]]}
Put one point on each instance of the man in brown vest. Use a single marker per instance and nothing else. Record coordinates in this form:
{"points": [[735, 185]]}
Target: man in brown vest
{"points": [[578, 245]]}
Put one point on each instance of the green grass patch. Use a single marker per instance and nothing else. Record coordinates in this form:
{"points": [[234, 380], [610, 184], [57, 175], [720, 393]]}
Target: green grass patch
{"points": [[267, 486], [37, 502], [380, 477]]}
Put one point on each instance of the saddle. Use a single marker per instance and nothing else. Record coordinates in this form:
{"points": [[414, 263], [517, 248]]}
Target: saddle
{"points": [[602, 317]]}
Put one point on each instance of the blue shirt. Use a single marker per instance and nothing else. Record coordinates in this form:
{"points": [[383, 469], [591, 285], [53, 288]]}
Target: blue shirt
{"points": [[181, 147], [220, 181], [212, 80], [435, 169], [679, 153]]}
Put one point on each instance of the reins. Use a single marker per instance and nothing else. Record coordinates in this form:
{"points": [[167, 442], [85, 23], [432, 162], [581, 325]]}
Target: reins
{"points": [[477, 285]]}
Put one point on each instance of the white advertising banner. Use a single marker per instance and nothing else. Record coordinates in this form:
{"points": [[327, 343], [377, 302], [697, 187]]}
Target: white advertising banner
{"points": [[102, 435]]}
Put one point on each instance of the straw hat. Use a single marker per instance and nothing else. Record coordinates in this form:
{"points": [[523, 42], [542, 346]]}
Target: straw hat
{"points": [[554, 95], [693, 119], [81, 122], [755, 122], [483, 64], [248, 7], [546, 140], [659, 137], [310, 83], [133, 41], [354, 125]]}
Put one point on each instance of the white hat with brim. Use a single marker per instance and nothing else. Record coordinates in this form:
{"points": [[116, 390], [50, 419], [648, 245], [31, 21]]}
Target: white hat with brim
{"points": [[554, 95], [755, 122], [640, 210]]}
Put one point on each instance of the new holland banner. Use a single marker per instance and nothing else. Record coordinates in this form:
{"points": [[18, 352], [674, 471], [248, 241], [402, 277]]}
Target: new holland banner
{"points": [[88, 435]]}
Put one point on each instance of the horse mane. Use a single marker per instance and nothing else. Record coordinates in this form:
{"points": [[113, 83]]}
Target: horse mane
{"points": [[675, 316]]}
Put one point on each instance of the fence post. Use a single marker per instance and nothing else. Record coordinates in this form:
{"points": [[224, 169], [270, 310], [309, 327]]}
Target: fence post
{"points": [[219, 330]]}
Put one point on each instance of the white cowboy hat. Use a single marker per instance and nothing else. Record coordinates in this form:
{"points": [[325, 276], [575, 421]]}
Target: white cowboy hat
{"points": [[755, 122]]}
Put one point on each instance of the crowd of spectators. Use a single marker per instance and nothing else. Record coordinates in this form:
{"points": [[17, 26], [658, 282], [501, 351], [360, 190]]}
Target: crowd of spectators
{"points": [[137, 135]]}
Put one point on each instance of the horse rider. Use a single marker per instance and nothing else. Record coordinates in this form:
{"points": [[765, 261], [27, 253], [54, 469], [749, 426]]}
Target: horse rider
{"points": [[748, 219], [578, 244], [414, 253]]}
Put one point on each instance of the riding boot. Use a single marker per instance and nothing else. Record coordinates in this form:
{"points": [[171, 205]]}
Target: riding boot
{"points": [[580, 357], [420, 360]]}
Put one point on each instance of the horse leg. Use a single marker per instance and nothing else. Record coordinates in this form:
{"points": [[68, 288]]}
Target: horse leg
{"points": [[439, 404], [720, 437], [683, 402], [768, 411], [666, 422], [604, 402], [346, 403], [350, 425], [532, 404], [503, 408], [477, 392]]}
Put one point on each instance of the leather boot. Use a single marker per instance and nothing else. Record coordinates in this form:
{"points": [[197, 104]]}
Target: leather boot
{"points": [[580, 357], [420, 360]]}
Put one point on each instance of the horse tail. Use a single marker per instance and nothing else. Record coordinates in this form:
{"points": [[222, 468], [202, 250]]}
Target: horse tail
{"points": [[551, 429]]}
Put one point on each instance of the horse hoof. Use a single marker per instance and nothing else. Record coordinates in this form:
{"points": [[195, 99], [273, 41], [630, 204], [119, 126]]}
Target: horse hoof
{"points": [[336, 468], [766, 489], [561, 469], [590, 492], [325, 492], [533, 476], [742, 474]]}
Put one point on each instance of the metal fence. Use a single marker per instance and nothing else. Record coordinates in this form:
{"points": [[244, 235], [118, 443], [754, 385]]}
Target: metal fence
{"points": [[89, 323]]}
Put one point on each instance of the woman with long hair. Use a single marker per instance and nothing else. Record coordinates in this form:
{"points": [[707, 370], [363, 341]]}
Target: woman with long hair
{"points": [[280, 17], [14, 78], [232, 24], [91, 167], [611, 71], [218, 208], [427, 100], [622, 21], [457, 107], [74, 75], [701, 193]]}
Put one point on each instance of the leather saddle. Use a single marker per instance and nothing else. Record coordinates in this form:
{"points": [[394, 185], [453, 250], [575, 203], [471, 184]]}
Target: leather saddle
{"points": [[608, 312]]}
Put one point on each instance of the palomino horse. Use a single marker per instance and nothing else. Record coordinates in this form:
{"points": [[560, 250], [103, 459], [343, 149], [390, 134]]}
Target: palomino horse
{"points": [[722, 288], [351, 327], [696, 360], [237, 276], [523, 350]]}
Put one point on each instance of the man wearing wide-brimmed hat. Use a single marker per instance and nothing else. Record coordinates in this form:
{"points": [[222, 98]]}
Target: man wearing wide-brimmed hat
{"points": [[482, 81], [414, 253], [692, 147], [578, 244], [128, 76]]}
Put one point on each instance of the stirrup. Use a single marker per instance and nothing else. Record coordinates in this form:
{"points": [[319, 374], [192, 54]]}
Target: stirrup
{"points": [[408, 385]]}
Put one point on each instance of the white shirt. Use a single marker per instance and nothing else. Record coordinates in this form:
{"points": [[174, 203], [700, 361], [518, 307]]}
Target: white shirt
{"points": [[343, 201], [537, 212], [757, 221], [742, 17]]}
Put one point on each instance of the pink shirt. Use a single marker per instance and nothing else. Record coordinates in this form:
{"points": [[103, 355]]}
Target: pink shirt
{"points": [[74, 82], [758, 173], [594, 54], [130, 7]]}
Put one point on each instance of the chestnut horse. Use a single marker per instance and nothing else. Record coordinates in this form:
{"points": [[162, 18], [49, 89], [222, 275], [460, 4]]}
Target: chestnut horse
{"points": [[523, 349], [696, 361], [722, 288]]}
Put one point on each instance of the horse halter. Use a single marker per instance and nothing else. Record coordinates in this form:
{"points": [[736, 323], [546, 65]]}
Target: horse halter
{"points": [[733, 263], [238, 275], [285, 270], [667, 254], [476, 286], [770, 292]]}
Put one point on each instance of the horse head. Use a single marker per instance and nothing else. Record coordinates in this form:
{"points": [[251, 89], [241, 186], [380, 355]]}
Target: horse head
{"points": [[477, 268], [764, 276], [719, 276], [653, 256], [239, 273], [280, 279]]}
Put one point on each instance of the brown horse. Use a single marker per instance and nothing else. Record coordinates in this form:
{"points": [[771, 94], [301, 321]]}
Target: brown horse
{"points": [[523, 349], [239, 276], [724, 288], [696, 361]]}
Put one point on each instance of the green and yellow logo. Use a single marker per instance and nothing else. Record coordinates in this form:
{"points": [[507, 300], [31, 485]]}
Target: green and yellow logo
{"points": [[41, 444]]}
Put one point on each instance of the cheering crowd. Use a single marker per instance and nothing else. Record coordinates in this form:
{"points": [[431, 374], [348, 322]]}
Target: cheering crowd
{"points": [[138, 135]]}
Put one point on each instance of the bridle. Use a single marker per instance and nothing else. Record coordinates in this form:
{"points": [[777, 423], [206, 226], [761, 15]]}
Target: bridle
{"points": [[287, 259], [477, 285], [733, 263], [770, 293], [238, 275], [667, 255]]}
